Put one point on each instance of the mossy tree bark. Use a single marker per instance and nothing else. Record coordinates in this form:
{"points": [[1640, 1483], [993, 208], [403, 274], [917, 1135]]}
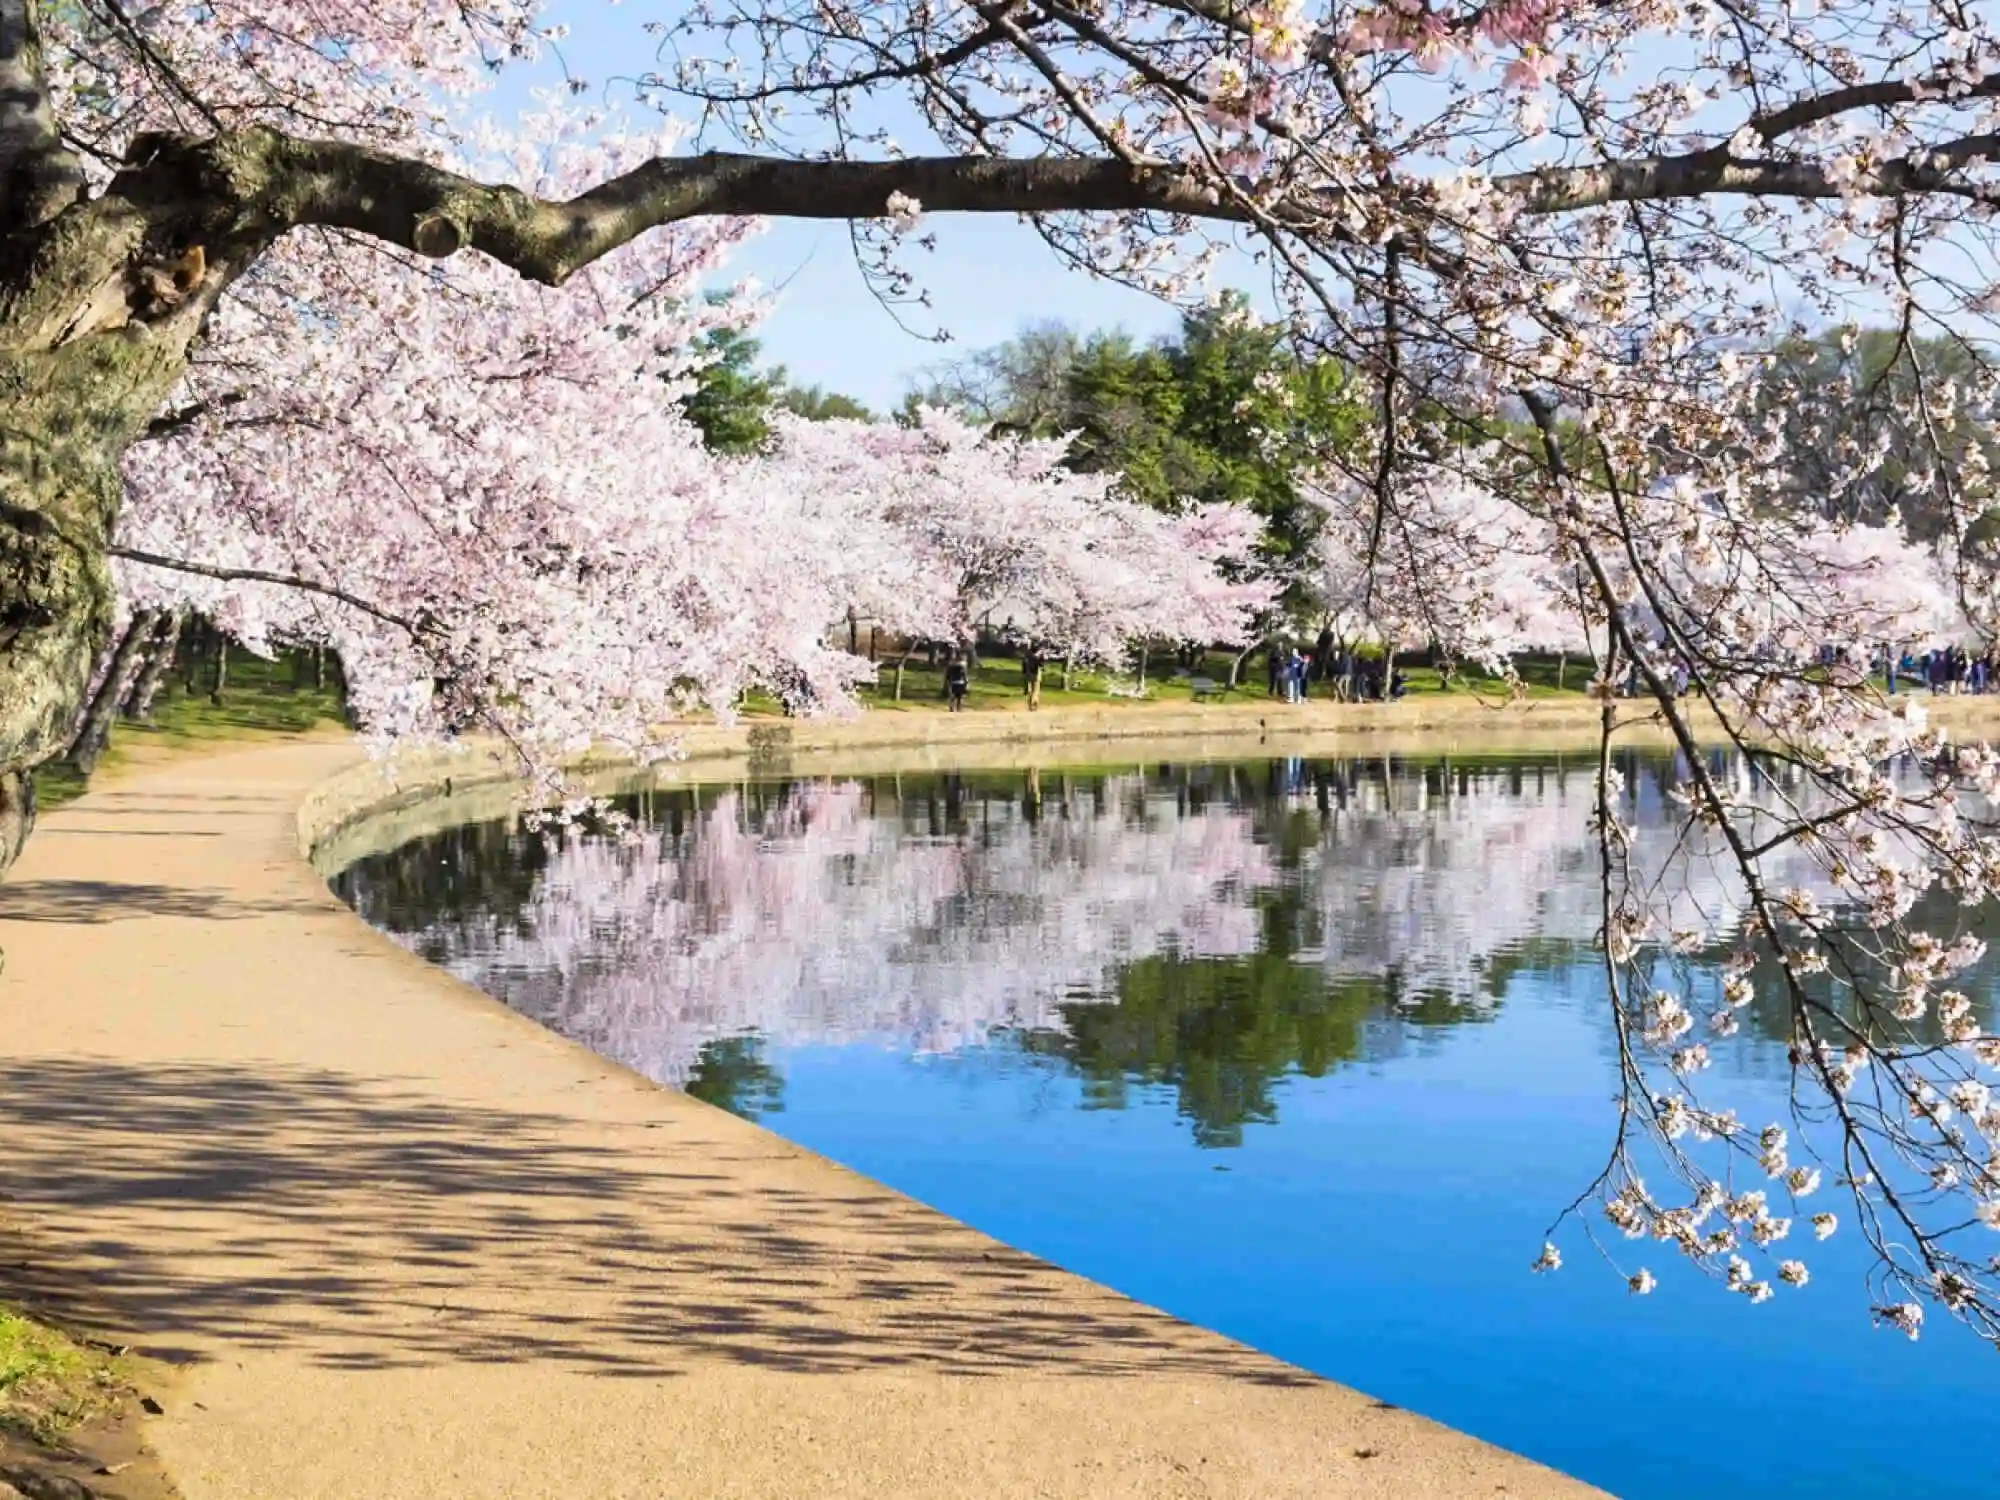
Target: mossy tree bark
{"points": [[88, 355]]}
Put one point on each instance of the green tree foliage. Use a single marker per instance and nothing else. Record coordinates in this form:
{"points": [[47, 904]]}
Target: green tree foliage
{"points": [[734, 399], [1895, 399], [818, 405], [1221, 410]]}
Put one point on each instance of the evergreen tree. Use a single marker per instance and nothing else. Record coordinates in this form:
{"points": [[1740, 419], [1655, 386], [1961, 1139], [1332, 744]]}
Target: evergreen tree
{"points": [[732, 400], [818, 405], [1220, 411]]}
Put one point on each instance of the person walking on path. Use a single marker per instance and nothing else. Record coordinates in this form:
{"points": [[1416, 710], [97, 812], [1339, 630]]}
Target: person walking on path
{"points": [[1031, 676], [955, 682]]}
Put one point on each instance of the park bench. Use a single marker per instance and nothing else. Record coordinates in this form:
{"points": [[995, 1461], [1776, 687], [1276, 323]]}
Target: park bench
{"points": [[1203, 687]]}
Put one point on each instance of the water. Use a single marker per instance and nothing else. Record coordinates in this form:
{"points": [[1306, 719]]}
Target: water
{"points": [[1310, 1052]]}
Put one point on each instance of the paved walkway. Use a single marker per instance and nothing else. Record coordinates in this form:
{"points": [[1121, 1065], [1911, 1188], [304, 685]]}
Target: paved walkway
{"points": [[413, 1245]]}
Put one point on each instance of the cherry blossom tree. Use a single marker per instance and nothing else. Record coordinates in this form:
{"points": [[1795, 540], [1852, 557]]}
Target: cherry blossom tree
{"points": [[975, 529], [1451, 565], [572, 603], [1587, 214]]}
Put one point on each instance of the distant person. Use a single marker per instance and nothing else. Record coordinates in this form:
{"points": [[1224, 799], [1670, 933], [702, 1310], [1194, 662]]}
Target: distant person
{"points": [[1398, 683], [956, 682], [1031, 676]]}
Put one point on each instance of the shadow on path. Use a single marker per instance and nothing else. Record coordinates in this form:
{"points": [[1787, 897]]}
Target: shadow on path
{"points": [[94, 902], [364, 1224]]}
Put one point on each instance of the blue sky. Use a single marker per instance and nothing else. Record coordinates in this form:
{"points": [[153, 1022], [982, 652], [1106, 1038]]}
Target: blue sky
{"points": [[988, 278]]}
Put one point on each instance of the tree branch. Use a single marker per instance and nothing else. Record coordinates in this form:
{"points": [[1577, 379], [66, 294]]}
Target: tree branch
{"points": [[1653, 179], [258, 575], [167, 424], [288, 183], [1941, 88], [436, 213]]}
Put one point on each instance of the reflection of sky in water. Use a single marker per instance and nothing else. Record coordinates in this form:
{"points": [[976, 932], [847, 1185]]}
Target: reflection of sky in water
{"points": [[1026, 1003]]}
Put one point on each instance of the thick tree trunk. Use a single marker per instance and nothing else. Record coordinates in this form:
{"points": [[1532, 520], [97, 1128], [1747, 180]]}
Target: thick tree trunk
{"points": [[93, 736], [59, 493], [93, 338], [159, 661], [221, 669]]}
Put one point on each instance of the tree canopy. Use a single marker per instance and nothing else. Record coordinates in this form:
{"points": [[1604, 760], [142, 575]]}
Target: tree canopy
{"points": [[1222, 411]]}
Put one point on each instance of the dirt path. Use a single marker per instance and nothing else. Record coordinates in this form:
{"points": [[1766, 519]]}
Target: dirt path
{"points": [[413, 1245]]}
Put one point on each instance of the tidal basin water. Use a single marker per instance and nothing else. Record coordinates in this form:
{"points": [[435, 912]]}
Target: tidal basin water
{"points": [[1312, 1052]]}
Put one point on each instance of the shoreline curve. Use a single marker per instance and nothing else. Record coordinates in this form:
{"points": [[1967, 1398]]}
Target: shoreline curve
{"points": [[407, 1242], [429, 790]]}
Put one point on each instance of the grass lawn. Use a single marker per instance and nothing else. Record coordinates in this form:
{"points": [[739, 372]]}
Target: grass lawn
{"points": [[260, 700], [263, 700], [49, 1384], [996, 683]]}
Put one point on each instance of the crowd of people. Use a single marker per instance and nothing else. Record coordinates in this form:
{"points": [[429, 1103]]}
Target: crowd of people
{"points": [[1344, 675], [1329, 670], [1944, 669]]}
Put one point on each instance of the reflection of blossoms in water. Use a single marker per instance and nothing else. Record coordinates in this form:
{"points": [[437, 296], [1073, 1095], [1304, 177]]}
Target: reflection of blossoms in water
{"points": [[1432, 884], [810, 920], [1433, 876], [836, 911]]}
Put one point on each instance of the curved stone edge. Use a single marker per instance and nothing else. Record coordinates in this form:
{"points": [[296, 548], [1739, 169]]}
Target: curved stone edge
{"points": [[886, 740], [356, 813]]}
